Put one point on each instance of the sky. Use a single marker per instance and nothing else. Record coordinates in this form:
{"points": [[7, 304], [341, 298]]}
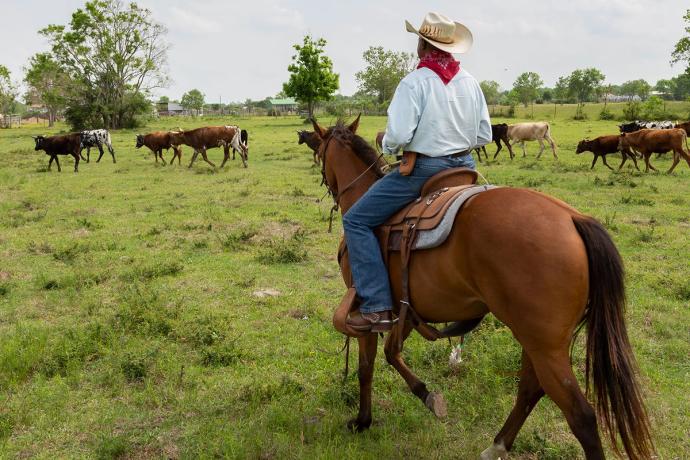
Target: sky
{"points": [[232, 50]]}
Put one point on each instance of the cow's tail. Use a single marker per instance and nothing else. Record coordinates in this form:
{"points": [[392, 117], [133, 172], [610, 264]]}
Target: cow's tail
{"points": [[610, 364]]}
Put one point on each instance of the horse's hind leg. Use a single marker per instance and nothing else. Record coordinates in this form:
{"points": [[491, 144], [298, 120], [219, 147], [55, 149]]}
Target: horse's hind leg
{"points": [[365, 372], [433, 401], [556, 377], [529, 394]]}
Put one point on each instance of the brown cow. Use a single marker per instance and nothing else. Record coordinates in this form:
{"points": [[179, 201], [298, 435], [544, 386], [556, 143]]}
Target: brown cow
{"points": [[602, 146], [685, 126], [157, 141], [312, 140], [648, 141], [202, 139], [66, 144]]}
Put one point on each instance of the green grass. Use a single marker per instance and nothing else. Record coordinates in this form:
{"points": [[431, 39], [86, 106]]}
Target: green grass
{"points": [[130, 327]]}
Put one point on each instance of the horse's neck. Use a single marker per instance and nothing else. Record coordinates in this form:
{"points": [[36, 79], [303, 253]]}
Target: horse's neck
{"points": [[356, 190]]}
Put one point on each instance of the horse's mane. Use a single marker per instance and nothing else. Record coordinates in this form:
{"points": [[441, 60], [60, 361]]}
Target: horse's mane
{"points": [[362, 149]]}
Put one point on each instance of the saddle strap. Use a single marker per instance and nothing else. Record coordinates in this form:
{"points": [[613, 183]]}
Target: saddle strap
{"points": [[428, 332]]}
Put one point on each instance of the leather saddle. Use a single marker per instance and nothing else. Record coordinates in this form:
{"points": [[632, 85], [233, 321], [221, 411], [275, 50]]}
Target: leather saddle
{"points": [[423, 224]]}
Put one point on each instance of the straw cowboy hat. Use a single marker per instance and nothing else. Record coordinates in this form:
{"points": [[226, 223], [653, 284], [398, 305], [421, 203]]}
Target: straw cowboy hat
{"points": [[444, 34]]}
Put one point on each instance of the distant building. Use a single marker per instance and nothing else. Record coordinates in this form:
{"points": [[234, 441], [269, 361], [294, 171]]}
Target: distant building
{"points": [[170, 109], [284, 106], [620, 98]]}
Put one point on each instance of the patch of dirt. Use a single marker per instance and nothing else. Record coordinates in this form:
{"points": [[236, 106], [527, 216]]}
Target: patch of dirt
{"points": [[263, 293], [4, 276], [81, 233]]}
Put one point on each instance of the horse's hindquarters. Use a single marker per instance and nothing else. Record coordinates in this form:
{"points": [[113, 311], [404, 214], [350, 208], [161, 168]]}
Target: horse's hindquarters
{"points": [[513, 252]]}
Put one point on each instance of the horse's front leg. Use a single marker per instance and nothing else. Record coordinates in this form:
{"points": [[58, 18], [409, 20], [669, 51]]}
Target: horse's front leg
{"points": [[367, 357], [433, 401]]}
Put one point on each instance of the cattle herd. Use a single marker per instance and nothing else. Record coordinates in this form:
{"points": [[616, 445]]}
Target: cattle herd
{"points": [[200, 139], [642, 138], [636, 139]]}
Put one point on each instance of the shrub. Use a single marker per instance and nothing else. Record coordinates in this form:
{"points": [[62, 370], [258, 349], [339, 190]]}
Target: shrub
{"points": [[632, 110], [606, 114]]}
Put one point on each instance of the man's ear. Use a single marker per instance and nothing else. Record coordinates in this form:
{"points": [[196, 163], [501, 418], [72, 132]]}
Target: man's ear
{"points": [[355, 124], [318, 129]]}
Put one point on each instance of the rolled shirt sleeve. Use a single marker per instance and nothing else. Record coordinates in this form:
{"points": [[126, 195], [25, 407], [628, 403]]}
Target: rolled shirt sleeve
{"points": [[403, 117]]}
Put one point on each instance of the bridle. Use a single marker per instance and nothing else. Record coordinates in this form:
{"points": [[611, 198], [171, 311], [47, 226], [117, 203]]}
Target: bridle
{"points": [[337, 195]]}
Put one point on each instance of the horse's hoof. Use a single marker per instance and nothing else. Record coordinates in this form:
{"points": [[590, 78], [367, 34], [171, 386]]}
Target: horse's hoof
{"points": [[495, 452], [436, 404], [357, 426]]}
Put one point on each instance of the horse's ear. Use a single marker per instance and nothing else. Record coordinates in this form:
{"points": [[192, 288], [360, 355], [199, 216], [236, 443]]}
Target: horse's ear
{"points": [[355, 124], [318, 129]]}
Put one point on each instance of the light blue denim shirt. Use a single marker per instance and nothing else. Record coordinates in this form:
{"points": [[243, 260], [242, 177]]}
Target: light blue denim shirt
{"points": [[426, 116]]}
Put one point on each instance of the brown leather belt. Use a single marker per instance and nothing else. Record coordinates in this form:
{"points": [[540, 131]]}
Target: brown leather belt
{"points": [[452, 155]]}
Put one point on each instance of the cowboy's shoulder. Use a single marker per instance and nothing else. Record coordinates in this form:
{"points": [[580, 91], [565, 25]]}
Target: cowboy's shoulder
{"points": [[418, 76]]}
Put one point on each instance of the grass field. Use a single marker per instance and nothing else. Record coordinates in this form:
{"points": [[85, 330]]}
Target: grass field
{"points": [[132, 321]]}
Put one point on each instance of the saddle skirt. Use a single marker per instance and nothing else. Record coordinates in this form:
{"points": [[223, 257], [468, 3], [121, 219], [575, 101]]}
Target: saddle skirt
{"points": [[430, 218]]}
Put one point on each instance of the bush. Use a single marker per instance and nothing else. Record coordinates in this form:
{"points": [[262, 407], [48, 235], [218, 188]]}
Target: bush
{"points": [[632, 110], [606, 114]]}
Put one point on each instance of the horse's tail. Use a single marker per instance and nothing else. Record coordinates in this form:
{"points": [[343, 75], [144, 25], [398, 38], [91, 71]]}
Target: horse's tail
{"points": [[610, 364]]}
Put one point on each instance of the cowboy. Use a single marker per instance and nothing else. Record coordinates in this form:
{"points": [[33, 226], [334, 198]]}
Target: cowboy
{"points": [[437, 111]]}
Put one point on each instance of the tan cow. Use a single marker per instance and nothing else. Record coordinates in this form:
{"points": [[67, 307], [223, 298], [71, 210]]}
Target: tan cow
{"points": [[202, 139], [536, 131], [648, 141]]}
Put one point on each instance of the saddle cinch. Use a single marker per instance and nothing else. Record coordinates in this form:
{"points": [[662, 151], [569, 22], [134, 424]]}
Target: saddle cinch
{"points": [[423, 224]]}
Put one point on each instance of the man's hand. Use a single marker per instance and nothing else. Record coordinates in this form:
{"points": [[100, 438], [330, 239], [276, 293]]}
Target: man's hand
{"points": [[379, 139]]}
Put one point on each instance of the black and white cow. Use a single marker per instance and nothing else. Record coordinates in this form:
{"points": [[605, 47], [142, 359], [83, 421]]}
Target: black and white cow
{"points": [[638, 125], [96, 138]]}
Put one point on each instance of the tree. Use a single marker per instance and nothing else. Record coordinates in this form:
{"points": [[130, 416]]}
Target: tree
{"points": [[193, 100], [115, 54], [384, 71], [8, 92], [527, 86], [681, 52], [311, 74], [681, 86], [491, 90], [48, 84], [636, 88], [584, 84], [163, 100]]}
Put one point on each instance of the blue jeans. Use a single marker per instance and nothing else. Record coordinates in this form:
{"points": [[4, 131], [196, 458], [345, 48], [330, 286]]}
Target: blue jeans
{"points": [[386, 197]]}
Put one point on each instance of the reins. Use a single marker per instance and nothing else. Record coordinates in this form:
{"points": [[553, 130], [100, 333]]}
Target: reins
{"points": [[338, 195]]}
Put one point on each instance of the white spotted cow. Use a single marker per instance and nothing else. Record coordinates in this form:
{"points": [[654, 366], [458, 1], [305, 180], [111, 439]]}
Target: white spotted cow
{"points": [[96, 138]]}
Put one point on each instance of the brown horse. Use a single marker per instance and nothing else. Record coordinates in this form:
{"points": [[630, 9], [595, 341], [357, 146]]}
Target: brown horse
{"points": [[540, 267]]}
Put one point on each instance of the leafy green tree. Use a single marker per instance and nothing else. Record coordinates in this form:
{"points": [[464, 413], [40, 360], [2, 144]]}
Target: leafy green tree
{"points": [[311, 74], [163, 100], [491, 90], [8, 92], [681, 52], [681, 87], [115, 54], [193, 100], [636, 88], [584, 84], [48, 84], [527, 86], [383, 72]]}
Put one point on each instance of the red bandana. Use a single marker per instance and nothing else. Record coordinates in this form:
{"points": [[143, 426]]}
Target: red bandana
{"points": [[442, 64]]}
